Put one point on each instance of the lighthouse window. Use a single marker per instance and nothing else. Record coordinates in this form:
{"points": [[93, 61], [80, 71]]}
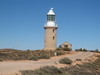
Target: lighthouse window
{"points": [[65, 45], [53, 30], [53, 38]]}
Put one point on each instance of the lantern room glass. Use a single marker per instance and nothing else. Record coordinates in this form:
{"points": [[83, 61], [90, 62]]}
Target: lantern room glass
{"points": [[50, 17]]}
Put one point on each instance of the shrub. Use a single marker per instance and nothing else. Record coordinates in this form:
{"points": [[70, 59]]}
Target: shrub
{"points": [[76, 50], [51, 69], [97, 63], [81, 49], [28, 50], [66, 49], [96, 50], [59, 49], [78, 59], [60, 53], [78, 71], [98, 56], [1, 60], [90, 67], [65, 61], [34, 58], [46, 70], [44, 56], [84, 50]]}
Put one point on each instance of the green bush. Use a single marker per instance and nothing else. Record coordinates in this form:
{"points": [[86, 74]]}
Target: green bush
{"points": [[1, 60], [59, 49], [35, 58], [84, 50], [78, 59], [65, 61], [28, 50], [96, 50], [98, 56], [44, 56], [76, 49], [46, 70], [66, 49], [80, 49], [60, 53], [77, 71], [84, 69], [97, 63]]}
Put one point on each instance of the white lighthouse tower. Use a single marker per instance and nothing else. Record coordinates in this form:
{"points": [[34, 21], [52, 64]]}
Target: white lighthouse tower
{"points": [[50, 31]]}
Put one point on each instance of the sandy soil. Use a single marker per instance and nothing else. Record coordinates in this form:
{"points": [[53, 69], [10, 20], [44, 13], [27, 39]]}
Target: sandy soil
{"points": [[13, 67]]}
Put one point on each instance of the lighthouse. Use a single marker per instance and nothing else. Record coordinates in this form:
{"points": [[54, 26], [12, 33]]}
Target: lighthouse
{"points": [[50, 31]]}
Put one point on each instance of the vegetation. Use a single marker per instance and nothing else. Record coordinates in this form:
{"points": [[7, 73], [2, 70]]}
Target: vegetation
{"points": [[35, 58], [67, 49], [74, 70], [92, 68], [97, 56], [12, 54], [81, 49], [59, 49], [66, 61], [60, 53], [64, 49], [96, 50], [1, 60], [46, 70], [78, 59], [44, 56]]}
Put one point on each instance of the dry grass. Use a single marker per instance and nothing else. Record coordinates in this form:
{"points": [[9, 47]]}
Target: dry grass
{"points": [[83, 68], [12, 54]]}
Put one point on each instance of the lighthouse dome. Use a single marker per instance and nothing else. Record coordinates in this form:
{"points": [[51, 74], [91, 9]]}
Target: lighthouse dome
{"points": [[51, 12]]}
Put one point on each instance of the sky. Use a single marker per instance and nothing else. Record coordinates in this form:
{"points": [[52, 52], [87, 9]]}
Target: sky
{"points": [[22, 22]]}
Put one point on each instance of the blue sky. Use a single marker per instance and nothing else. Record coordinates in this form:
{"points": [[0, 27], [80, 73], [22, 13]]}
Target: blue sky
{"points": [[22, 22]]}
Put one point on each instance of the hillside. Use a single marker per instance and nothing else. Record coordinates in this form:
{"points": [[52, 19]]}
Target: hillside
{"points": [[13, 54]]}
